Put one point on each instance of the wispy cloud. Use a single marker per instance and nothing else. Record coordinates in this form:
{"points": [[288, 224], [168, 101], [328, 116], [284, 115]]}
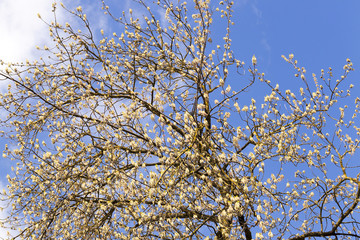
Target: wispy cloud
{"points": [[264, 39], [256, 10], [21, 29], [240, 3]]}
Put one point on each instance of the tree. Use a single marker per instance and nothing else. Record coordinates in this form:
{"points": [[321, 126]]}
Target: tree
{"points": [[140, 136]]}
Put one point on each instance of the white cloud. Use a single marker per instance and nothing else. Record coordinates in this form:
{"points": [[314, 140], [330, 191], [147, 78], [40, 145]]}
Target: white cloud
{"points": [[21, 29]]}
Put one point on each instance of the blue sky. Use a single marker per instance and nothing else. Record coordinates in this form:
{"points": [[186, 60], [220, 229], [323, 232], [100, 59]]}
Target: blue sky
{"points": [[320, 33]]}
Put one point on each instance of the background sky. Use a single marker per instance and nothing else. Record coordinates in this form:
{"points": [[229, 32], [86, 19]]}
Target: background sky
{"points": [[321, 34]]}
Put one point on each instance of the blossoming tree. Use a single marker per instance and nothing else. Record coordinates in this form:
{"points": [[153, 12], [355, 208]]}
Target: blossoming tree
{"points": [[148, 134]]}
